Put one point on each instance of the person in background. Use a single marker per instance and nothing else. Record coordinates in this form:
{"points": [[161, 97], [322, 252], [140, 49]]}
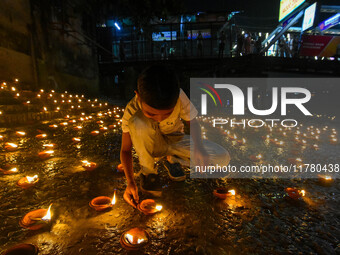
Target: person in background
{"points": [[199, 44], [221, 45]]}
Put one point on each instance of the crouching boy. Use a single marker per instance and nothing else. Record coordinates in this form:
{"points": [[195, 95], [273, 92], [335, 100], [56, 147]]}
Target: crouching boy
{"points": [[152, 124]]}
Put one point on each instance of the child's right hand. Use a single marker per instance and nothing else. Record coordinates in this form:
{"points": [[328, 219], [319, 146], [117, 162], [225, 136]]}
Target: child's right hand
{"points": [[131, 195]]}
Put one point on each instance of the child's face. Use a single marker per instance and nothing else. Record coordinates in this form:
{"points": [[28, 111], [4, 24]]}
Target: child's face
{"points": [[155, 114]]}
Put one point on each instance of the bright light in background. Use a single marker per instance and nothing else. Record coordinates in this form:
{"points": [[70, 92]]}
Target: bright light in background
{"points": [[117, 26]]}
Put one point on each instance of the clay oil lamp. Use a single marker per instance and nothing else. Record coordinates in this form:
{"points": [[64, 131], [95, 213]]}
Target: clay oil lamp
{"points": [[41, 136], [232, 137], [103, 203], [11, 147], [334, 140], [77, 128], [112, 126], [45, 154], [134, 239], [103, 129], [63, 124], [242, 142], [315, 146], [27, 249], [149, 207], [295, 161], [295, 193], [76, 140], [117, 116], [20, 134], [28, 181], [54, 126], [224, 193], [89, 166], [36, 219], [1, 137], [100, 122], [9, 170], [49, 145], [326, 180], [256, 158], [95, 132]]}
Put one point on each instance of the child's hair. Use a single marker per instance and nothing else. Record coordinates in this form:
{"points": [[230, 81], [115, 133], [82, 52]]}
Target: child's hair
{"points": [[158, 87]]}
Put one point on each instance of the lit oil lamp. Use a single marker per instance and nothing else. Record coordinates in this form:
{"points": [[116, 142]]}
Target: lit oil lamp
{"points": [[295, 193], [49, 145], [89, 166], [76, 140], [241, 142], [77, 127], [255, 158], [334, 140], [315, 146], [149, 207], [112, 126], [134, 239], [9, 170], [54, 126], [103, 129], [11, 147], [41, 136], [24, 248], [326, 180], [20, 134], [45, 154], [103, 203], [232, 137], [295, 161], [224, 193], [95, 132], [1, 137], [36, 219], [100, 122], [28, 181], [63, 124]]}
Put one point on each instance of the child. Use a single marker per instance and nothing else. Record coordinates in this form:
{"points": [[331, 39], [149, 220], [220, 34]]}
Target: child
{"points": [[152, 124]]}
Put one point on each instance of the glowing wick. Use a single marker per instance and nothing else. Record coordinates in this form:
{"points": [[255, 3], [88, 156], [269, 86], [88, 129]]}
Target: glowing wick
{"points": [[48, 215], [31, 179], [159, 207], [114, 199], [232, 192]]}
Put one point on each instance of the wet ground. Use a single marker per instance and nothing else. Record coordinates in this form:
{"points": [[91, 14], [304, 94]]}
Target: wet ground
{"points": [[259, 219]]}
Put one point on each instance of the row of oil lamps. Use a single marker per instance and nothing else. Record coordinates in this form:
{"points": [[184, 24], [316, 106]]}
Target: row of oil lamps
{"points": [[132, 239]]}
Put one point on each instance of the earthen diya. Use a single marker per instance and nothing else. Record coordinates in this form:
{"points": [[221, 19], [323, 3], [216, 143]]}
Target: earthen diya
{"points": [[149, 207], [134, 239], [27, 182], [36, 219], [223, 193]]}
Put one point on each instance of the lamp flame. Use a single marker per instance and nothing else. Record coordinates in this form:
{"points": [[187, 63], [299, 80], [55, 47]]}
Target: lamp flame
{"points": [[232, 192], [31, 179], [48, 215], [159, 207], [114, 199]]}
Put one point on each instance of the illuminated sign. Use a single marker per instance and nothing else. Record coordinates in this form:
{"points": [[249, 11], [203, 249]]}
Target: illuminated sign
{"points": [[288, 6], [206, 34], [308, 19], [161, 36], [331, 22]]}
